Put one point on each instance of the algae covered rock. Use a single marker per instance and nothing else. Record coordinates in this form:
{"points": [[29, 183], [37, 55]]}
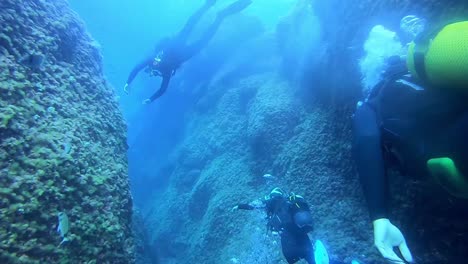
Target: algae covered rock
{"points": [[261, 123], [257, 126], [63, 142]]}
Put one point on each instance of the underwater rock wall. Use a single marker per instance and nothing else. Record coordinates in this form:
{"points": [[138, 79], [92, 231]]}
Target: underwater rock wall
{"points": [[301, 135], [257, 126], [63, 142]]}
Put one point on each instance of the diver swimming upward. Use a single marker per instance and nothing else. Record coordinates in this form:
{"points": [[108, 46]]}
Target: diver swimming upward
{"points": [[171, 53]]}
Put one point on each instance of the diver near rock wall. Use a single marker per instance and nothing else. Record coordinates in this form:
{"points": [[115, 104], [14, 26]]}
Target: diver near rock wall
{"points": [[418, 123], [290, 217], [171, 53]]}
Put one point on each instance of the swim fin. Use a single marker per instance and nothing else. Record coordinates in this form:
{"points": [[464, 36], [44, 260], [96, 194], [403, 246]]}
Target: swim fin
{"points": [[235, 7], [320, 253]]}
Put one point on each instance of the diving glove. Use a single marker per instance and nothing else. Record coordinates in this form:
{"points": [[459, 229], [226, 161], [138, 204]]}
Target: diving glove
{"points": [[386, 237]]}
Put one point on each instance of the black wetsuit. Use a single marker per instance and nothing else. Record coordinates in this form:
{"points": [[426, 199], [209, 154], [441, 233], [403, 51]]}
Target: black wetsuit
{"points": [[173, 52], [295, 242], [404, 124]]}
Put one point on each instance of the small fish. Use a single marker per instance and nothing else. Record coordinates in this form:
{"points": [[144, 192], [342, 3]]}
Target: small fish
{"points": [[33, 61], [66, 148], [268, 176], [63, 227]]}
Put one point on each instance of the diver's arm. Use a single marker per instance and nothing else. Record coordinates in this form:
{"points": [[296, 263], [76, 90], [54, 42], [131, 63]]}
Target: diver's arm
{"points": [[257, 204], [162, 88], [370, 165], [245, 207], [369, 160], [140, 66]]}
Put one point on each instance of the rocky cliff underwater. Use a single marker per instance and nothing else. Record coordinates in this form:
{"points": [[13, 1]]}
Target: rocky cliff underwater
{"points": [[298, 129], [64, 190], [63, 143]]}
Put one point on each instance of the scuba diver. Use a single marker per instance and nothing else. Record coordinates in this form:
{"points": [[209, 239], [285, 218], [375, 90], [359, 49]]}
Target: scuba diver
{"points": [[171, 53], [418, 122], [290, 217]]}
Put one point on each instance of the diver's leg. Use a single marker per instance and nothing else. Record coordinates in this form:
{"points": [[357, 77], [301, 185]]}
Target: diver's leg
{"points": [[289, 247], [234, 8], [194, 48], [307, 250], [211, 31], [162, 88], [193, 20]]}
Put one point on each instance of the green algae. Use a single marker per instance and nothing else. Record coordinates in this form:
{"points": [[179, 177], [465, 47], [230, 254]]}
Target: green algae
{"points": [[54, 148], [99, 179], [6, 115]]}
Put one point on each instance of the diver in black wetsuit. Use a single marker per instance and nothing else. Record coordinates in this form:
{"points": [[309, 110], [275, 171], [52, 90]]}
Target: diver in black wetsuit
{"points": [[171, 53], [291, 218], [417, 122]]}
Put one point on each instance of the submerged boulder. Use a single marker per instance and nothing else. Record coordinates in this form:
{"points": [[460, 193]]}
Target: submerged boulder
{"points": [[299, 131], [63, 142]]}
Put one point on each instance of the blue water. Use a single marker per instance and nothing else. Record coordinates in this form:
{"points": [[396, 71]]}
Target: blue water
{"points": [[247, 44], [127, 31]]}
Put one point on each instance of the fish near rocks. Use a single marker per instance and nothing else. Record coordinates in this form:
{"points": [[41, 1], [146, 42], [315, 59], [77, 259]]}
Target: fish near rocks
{"points": [[63, 227], [33, 61]]}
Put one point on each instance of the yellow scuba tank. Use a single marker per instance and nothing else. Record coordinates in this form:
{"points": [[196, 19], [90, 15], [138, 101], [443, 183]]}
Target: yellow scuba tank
{"points": [[443, 60]]}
